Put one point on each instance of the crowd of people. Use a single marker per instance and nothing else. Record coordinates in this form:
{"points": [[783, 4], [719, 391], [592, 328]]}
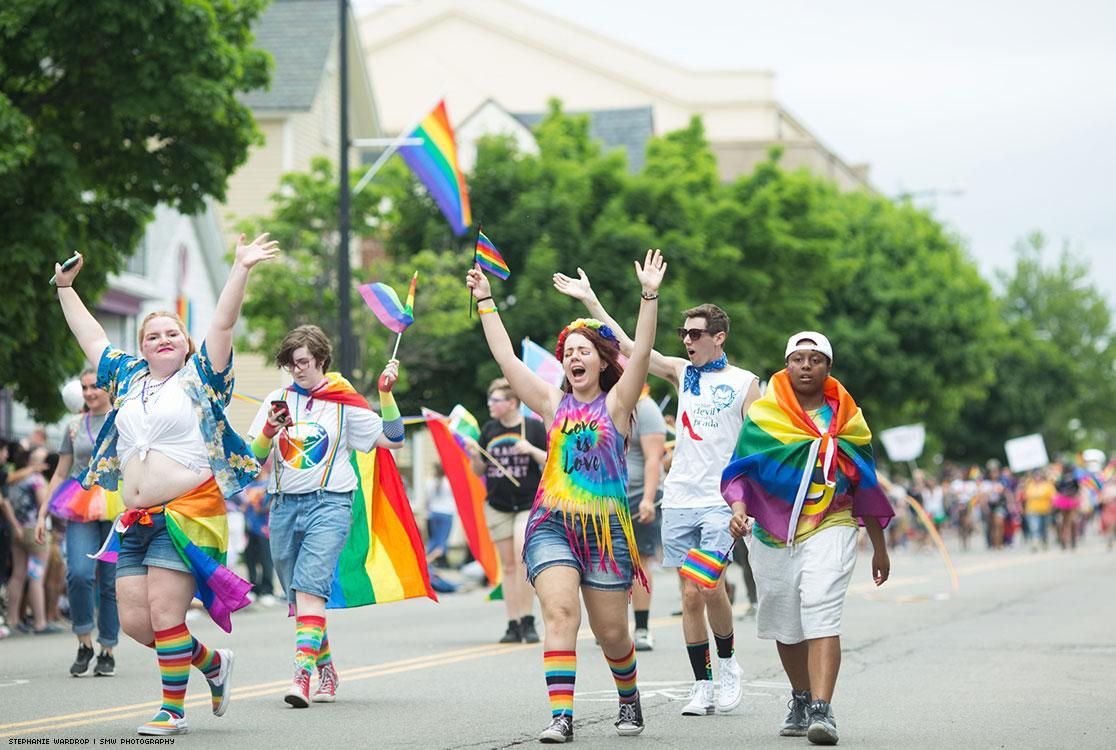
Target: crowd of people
{"points": [[127, 522]]}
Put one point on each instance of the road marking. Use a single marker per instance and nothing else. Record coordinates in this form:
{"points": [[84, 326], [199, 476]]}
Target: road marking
{"points": [[356, 674]]}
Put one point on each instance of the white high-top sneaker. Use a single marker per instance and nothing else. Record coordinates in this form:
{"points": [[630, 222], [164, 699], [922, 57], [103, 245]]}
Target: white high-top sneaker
{"points": [[701, 699]]}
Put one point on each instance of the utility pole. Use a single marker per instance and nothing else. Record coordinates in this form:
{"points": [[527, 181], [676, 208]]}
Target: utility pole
{"points": [[344, 267]]}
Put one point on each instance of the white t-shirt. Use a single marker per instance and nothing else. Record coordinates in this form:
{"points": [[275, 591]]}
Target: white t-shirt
{"points": [[707, 427], [314, 452]]}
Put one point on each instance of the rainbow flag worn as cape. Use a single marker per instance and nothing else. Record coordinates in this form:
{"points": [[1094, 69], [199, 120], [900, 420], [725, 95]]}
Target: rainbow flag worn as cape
{"points": [[383, 559], [337, 390], [468, 493], [199, 530], [779, 448], [384, 303], [74, 503], [489, 258], [435, 164]]}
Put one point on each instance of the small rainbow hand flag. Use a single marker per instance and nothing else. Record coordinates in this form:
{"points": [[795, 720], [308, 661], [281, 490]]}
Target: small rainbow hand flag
{"points": [[704, 566], [385, 304], [489, 258]]}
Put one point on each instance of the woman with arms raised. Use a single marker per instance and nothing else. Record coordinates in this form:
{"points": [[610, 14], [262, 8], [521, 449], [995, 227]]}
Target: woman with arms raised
{"points": [[579, 534], [167, 446]]}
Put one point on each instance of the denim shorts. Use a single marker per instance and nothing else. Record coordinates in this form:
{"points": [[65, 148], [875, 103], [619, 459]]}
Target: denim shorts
{"points": [[144, 546], [308, 531], [688, 528], [548, 544]]}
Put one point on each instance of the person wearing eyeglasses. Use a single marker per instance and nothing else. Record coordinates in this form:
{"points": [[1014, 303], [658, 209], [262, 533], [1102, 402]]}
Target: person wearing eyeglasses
{"points": [[713, 397], [310, 429], [519, 444]]}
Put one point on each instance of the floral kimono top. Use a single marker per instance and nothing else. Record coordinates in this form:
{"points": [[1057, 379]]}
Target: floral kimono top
{"points": [[230, 458]]}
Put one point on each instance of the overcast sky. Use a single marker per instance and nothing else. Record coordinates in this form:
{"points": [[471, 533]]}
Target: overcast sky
{"points": [[1012, 102]]}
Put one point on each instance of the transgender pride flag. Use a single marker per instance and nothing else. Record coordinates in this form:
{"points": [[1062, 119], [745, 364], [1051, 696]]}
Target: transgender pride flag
{"points": [[545, 365]]}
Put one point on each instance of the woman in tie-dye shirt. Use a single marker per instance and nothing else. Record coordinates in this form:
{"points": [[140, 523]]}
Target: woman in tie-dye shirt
{"points": [[579, 537]]}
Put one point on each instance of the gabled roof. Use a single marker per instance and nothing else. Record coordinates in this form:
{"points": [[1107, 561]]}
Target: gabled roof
{"points": [[629, 128], [299, 35]]}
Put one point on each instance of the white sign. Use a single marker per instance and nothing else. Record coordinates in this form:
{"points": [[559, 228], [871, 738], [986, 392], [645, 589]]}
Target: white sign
{"points": [[904, 443], [1026, 453]]}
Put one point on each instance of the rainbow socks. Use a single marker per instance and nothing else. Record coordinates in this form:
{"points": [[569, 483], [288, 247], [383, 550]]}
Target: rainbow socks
{"points": [[325, 657], [561, 671], [699, 660], [174, 648], [624, 675], [309, 632]]}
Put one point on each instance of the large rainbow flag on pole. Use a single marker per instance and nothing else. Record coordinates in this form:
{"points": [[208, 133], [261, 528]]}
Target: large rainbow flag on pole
{"points": [[383, 559], [468, 492], [435, 164]]}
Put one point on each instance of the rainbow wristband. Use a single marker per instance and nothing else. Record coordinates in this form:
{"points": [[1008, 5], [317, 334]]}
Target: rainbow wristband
{"points": [[261, 446], [486, 310]]}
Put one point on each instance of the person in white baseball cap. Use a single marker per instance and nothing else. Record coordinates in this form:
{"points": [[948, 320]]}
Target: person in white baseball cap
{"points": [[809, 341]]}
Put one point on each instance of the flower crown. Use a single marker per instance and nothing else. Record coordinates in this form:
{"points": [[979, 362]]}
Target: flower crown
{"points": [[605, 332]]}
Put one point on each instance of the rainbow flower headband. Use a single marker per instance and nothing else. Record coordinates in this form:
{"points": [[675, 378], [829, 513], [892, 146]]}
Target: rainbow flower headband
{"points": [[593, 323]]}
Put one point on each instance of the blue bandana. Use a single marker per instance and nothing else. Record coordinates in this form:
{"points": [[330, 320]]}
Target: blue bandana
{"points": [[692, 380]]}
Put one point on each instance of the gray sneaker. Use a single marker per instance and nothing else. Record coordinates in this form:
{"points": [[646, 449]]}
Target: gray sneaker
{"points": [[560, 730], [798, 718], [822, 729]]}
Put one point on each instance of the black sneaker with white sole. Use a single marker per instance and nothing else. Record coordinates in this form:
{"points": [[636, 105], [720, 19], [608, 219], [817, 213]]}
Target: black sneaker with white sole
{"points": [[560, 730], [630, 721], [106, 665], [80, 667]]}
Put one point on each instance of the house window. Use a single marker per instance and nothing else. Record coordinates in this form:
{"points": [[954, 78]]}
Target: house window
{"points": [[137, 263]]}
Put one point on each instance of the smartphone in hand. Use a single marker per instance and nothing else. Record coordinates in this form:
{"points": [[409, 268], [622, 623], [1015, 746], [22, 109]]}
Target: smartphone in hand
{"points": [[282, 411], [66, 266]]}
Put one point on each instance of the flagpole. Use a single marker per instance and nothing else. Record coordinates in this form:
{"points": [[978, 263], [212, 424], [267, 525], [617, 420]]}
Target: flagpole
{"points": [[397, 340], [403, 139], [480, 227]]}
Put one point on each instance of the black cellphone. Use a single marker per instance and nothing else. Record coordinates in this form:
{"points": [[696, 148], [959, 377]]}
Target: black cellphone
{"points": [[66, 266], [283, 410]]}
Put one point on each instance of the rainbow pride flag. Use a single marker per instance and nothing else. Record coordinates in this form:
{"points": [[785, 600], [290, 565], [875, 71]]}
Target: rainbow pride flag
{"points": [[74, 503], [781, 454], [468, 493], [462, 422], [383, 559], [489, 258], [704, 566], [435, 164], [199, 529], [384, 303], [184, 308]]}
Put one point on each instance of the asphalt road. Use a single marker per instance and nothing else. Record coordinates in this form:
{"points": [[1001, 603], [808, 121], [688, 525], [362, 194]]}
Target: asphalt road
{"points": [[1020, 656]]}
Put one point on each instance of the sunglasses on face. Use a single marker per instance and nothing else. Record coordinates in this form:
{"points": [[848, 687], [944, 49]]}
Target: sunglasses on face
{"points": [[693, 333]]}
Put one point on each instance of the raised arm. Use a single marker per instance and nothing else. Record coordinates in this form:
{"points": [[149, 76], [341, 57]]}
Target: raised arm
{"points": [[218, 340], [661, 366], [624, 396], [539, 395], [90, 335]]}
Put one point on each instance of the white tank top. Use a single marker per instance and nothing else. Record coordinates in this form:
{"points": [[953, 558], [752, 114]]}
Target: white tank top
{"points": [[706, 429], [167, 423]]}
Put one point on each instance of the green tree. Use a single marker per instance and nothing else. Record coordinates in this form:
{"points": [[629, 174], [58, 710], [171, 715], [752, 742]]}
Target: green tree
{"points": [[914, 323], [1054, 364], [107, 108]]}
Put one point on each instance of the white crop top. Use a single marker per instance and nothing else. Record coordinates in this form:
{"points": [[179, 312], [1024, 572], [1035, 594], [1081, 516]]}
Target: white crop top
{"points": [[166, 423]]}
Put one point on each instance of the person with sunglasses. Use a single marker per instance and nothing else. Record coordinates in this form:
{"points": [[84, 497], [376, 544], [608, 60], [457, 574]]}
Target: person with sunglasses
{"points": [[310, 429], [713, 398], [519, 444]]}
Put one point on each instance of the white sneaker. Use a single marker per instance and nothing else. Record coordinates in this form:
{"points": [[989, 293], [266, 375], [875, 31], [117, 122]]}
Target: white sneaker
{"points": [[164, 724], [267, 600], [732, 689], [701, 699], [643, 639]]}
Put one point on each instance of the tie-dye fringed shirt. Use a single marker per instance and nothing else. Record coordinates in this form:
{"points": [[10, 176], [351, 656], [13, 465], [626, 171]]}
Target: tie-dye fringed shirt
{"points": [[585, 479]]}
